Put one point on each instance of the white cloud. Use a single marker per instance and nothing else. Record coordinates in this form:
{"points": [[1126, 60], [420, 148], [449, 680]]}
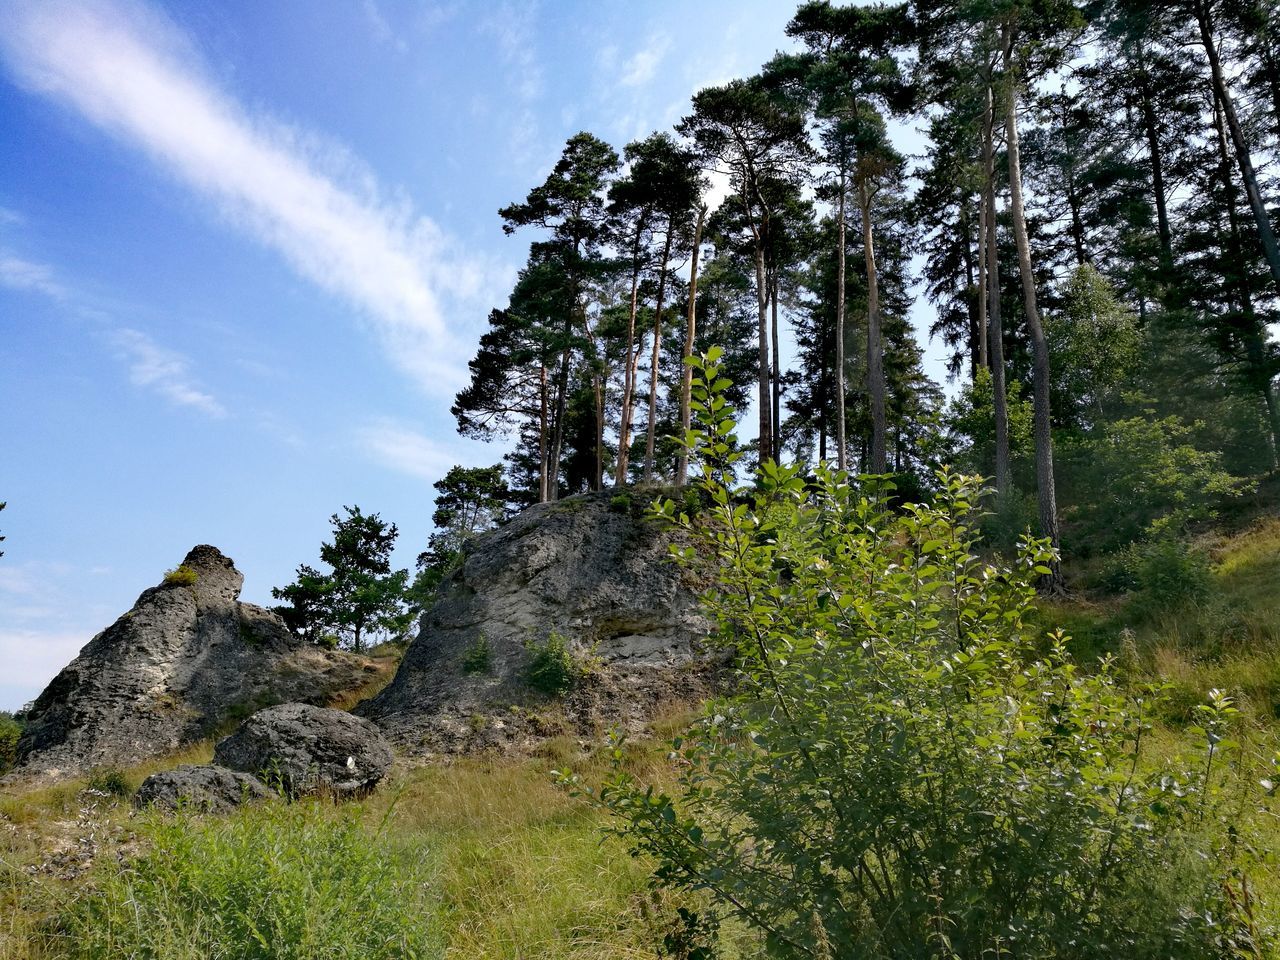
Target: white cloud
{"points": [[164, 371], [128, 70], [407, 451], [643, 65], [19, 274]]}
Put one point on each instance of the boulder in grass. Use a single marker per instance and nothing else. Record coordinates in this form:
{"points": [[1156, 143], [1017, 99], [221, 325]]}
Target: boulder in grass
{"points": [[206, 789], [305, 749]]}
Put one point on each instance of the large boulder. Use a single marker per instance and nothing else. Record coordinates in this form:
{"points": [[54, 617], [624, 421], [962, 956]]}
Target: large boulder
{"points": [[206, 789], [594, 570], [187, 658], [305, 749]]}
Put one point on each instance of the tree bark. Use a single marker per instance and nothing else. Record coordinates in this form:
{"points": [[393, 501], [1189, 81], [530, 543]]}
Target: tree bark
{"points": [[984, 359], [1152, 131], [842, 457], [650, 439], [775, 385], [690, 332], [1045, 487], [875, 346], [765, 442], [1241, 145], [629, 374], [999, 396], [542, 435]]}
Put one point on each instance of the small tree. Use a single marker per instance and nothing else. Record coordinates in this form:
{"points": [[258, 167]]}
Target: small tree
{"points": [[361, 593], [469, 500], [906, 771]]}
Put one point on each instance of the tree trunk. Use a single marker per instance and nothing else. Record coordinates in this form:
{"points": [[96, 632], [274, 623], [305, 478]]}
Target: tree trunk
{"points": [[690, 331], [765, 442], [875, 346], [650, 439], [970, 288], [1243, 158], [776, 384], [557, 429], [842, 457], [999, 397], [1157, 161], [984, 359], [543, 473], [1253, 334], [629, 374], [1047, 494]]}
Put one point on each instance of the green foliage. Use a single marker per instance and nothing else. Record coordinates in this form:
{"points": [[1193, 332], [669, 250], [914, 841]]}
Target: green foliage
{"points": [[110, 781], [478, 657], [10, 731], [1164, 573], [971, 422], [360, 594], [907, 770], [1094, 343], [621, 503], [182, 575], [552, 669], [1140, 475], [273, 882]]}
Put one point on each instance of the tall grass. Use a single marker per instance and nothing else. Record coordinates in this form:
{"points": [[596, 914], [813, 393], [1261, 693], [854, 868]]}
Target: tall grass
{"points": [[277, 881]]}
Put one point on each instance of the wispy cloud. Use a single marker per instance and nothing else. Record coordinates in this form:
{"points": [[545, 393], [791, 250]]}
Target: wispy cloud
{"points": [[19, 274], [382, 31], [127, 69], [643, 65], [407, 451], [165, 371]]}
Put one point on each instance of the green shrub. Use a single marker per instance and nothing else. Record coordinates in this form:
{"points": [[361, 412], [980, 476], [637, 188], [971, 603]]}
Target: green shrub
{"points": [[1164, 575], [276, 881], [621, 503], [10, 731], [181, 575], [902, 771], [478, 658], [110, 781], [552, 669]]}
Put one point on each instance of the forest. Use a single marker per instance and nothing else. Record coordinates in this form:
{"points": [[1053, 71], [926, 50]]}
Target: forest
{"points": [[1085, 217]]}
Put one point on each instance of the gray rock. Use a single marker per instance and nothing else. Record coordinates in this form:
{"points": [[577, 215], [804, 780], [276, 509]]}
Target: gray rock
{"points": [[170, 672], [306, 748], [600, 577], [207, 789]]}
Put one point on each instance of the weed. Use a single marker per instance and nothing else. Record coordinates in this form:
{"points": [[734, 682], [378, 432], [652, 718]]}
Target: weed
{"points": [[181, 575]]}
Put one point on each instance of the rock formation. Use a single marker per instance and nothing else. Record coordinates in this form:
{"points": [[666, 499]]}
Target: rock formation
{"points": [[204, 789], [187, 657], [592, 569], [303, 749]]}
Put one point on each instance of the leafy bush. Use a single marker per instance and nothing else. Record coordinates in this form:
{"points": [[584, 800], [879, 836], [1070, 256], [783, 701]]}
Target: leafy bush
{"points": [[620, 503], [552, 669], [110, 781], [181, 575], [903, 772], [10, 731], [478, 658], [1164, 574], [1140, 476], [271, 882]]}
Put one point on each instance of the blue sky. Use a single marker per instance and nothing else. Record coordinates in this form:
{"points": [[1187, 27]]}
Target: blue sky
{"points": [[246, 250]]}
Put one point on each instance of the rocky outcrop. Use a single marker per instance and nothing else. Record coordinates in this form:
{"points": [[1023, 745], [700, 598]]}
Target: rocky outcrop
{"points": [[305, 749], [592, 569], [204, 789], [186, 658]]}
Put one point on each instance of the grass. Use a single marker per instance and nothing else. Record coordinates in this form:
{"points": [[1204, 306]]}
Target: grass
{"points": [[480, 858]]}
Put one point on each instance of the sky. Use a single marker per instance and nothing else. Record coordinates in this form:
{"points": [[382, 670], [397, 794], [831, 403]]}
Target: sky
{"points": [[246, 250]]}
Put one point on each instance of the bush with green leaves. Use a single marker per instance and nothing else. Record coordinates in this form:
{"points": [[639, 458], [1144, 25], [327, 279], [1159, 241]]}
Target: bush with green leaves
{"points": [[276, 881], [1163, 574], [552, 669], [10, 731], [182, 575], [906, 770], [478, 657], [1139, 476]]}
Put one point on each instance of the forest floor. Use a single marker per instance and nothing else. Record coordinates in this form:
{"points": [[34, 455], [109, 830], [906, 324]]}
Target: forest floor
{"points": [[489, 858]]}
